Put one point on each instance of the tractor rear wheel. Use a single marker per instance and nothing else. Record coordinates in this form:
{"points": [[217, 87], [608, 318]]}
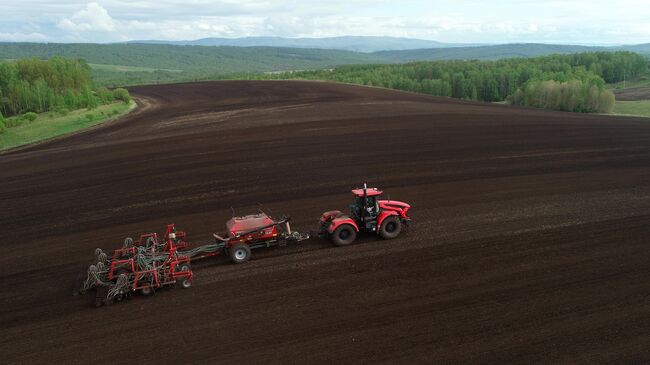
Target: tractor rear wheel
{"points": [[239, 253], [390, 228], [344, 235]]}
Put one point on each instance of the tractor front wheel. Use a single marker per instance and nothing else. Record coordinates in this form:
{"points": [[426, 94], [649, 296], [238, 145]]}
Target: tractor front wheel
{"points": [[239, 253], [390, 228], [344, 235]]}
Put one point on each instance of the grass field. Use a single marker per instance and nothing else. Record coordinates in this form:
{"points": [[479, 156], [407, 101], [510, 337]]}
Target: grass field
{"points": [[120, 68], [52, 124], [642, 82], [639, 108]]}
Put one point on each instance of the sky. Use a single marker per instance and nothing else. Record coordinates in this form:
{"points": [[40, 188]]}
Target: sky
{"points": [[592, 22]]}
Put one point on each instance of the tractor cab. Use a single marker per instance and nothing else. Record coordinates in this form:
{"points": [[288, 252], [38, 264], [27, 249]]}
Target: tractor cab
{"points": [[365, 208]]}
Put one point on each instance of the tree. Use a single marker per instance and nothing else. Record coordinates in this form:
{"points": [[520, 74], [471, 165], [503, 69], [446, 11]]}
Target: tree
{"points": [[87, 98], [606, 102], [574, 96], [2, 123], [104, 95], [41, 85], [70, 100], [562, 82], [458, 86], [30, 116], [122, 94]]}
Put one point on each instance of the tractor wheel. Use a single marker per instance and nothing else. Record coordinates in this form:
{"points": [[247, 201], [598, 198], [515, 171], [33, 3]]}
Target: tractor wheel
{"points": [[239, 253], [390, 228], [344, 235], [184, 282]]}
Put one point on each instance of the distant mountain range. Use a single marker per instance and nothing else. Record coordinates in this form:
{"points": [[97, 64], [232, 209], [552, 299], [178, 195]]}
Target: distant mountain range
{"points": [[231, 59], [499, 51], [493, 52], [347, 43], [638, 48], [401, 49]]}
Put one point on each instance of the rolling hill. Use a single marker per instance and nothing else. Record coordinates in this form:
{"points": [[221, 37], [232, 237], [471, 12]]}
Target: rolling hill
{"points": [[133, 64], [222, 60], [138, 63], [483, 52], [638, 48]]}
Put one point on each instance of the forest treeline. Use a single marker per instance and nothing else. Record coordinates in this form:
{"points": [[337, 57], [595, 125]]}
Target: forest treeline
{"points": [[573, 82], [35, 86]]}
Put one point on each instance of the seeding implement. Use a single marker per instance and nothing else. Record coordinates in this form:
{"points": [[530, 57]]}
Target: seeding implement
{"points": [[154, 262], [144, 266]]}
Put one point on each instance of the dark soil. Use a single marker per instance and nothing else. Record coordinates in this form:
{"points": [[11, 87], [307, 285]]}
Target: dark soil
{"points": [[530, 242], [639, 93]]}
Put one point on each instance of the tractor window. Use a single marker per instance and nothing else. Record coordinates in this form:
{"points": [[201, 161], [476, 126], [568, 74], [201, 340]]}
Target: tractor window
{"points": [[371, 209], [357, 207]]}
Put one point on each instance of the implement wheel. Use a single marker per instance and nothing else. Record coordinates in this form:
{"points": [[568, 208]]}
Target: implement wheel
{"points": [[239, 253], [390, 228], [344, 235], [147, 291], [184, 282]]}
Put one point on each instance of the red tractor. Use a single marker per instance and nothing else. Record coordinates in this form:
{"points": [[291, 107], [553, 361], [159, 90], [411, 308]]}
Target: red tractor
{"points": [[369, 214]]}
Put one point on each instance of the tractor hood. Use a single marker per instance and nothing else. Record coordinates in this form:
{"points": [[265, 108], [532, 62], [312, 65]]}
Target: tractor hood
{"points": [[394, 205], [329, 215]]}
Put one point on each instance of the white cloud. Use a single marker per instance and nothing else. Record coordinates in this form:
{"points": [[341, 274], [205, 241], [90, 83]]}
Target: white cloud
{"points": [[93, 18], [601, 21]]}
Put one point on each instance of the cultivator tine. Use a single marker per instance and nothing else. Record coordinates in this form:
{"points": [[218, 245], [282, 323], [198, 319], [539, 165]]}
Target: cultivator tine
{"points": [[102, 257], [119, 289], [92, 278]]}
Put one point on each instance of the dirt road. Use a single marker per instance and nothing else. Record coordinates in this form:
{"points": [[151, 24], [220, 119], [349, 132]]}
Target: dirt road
{"points": [[530, 242]]}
